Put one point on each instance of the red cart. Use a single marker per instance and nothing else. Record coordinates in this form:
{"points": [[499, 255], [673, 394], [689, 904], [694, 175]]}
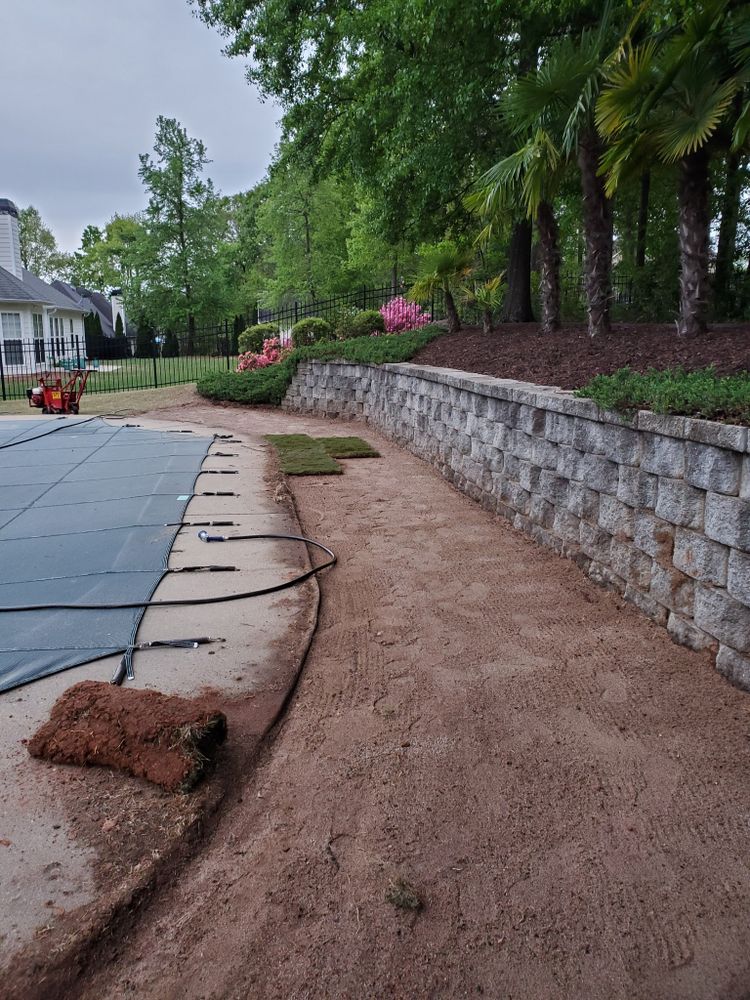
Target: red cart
{"points": [[54, 396]]}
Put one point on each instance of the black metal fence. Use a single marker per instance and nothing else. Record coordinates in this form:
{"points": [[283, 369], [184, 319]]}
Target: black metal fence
{"points": [[118, 364], [331, 308]]}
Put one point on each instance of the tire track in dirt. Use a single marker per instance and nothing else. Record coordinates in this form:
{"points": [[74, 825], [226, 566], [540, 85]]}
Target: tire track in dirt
{"points": [[565, 787]]}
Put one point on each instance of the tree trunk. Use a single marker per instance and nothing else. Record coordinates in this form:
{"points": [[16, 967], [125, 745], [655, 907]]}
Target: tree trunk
{"points": [[730, 210], [549, 267], [597, 221], [488, 324], [693, 197], [517, 305], [454, 323], [640, 239]]}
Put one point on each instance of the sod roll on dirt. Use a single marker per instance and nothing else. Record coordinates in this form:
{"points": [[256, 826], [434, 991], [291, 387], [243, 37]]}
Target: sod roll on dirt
{"points": [[167, 740]]}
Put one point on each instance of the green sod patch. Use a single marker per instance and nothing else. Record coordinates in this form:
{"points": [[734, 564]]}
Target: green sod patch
{"points": [[348, 447], [302, 455]]}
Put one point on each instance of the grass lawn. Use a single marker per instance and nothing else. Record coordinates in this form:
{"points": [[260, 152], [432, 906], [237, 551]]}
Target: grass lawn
{"points": [[302, 455]]}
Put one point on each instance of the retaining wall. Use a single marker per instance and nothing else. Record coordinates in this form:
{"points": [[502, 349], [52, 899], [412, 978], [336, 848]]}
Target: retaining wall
{"points": [[657, 508]]}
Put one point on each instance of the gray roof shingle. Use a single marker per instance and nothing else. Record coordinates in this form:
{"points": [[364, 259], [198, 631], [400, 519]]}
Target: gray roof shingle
{"points": [[46, 293], [12, 289]]}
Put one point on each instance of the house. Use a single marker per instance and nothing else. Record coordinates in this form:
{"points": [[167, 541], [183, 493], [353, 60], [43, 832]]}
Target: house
{"points": [[107, 309], [38, 323]]}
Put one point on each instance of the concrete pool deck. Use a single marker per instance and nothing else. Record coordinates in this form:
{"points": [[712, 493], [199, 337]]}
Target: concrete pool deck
{"points": [[74, 841]]}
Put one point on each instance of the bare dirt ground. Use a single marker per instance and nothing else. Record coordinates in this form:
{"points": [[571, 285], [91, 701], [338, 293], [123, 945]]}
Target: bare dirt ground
{"points": [[565, 790]]}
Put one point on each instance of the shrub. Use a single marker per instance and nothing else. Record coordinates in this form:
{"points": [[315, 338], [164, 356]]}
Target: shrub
{"points": [[269, 384], [341, 321], [271, 354], [252, 338], [144, 341], [367, 323], [310, 331], [399, 315], [171, 345], [696, 394]]}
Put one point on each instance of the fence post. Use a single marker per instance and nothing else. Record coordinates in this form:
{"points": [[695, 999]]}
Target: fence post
{"points": [[2, 372], [78, 352], [153, 358], [226, 342], [295, 310]]}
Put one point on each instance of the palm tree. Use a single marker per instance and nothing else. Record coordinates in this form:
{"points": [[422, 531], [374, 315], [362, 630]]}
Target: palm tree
{"points": [[442, 267], [488, 295], [677, 98], [531, 175], [560, 99]]}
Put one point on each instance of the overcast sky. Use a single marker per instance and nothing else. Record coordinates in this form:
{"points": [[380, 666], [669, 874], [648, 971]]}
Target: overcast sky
{"points": [[81, 85]]}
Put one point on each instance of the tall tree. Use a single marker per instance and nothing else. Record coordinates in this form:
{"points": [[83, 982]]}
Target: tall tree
{"points": [[185, 222], [40, 253], [678, 98]]}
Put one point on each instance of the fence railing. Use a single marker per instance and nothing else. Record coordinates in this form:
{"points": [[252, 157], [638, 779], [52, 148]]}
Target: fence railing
{"points": [[117, 364], [330, 308]]}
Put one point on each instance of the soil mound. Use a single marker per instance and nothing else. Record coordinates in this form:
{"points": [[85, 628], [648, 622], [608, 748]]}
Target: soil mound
{"points": [[167, 740]]}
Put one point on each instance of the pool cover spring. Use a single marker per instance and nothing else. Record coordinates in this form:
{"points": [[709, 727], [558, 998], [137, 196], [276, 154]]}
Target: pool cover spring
{"points": [[85, 514]]}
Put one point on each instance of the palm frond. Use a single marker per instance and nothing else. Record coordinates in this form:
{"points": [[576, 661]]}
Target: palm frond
{"points": [[696, 114], [741, 130], [628, 82]]}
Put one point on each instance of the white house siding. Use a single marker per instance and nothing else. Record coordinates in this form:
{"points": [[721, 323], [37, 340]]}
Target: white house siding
{"points": [[59, 342], [10, 248]]}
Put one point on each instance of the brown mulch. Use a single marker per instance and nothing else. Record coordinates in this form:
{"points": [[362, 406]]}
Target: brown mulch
{"points": [[570, 357], [164, 739]]}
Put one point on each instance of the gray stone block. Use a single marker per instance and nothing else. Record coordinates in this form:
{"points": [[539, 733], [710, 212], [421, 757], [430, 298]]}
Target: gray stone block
{"points": [[664, 456], [605, 577], [699, 557], [553, 487], [595, 542], [738, 577], [520, 444], [745, 477], [566, 525], [600, 474], [728, 520], [720, 435], [714, 469], [540, 511], [679, 503], [661, 423], [734, 667], [559, 427], [615, 517], [531, 419], [637, 488], [631, 564], [528, 476], [686, 633], [570, 462], [654, 536], [673, 589], [724, 618], [544, 453], [583, 502], [647, 604]]}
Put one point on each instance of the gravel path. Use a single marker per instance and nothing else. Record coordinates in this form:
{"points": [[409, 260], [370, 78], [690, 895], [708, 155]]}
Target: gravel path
{"points": [[565, 790]]}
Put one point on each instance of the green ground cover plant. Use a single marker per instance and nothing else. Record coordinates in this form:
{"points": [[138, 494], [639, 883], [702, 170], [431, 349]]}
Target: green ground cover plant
{"points": [[700, 393], [302, 455], [269, 385]]}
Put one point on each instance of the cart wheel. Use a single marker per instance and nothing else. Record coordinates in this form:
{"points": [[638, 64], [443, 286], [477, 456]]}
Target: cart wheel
{"points": [[46, 409], [74, 407]]}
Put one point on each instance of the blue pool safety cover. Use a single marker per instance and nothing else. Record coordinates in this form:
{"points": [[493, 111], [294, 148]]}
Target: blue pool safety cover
{"points": [[84, 517]]}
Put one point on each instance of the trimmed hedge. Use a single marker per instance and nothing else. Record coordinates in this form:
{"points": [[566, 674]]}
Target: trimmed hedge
{"points": [[310, 331], [269, 385], [252, 338], [701, 393]]}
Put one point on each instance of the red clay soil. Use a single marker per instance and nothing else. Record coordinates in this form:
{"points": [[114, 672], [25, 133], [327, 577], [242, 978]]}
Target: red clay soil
{"points": [[165, 739], [495, 779], [570, 357]]}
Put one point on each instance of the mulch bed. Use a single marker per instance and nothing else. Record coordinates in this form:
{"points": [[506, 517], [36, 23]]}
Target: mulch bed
{"points": [[164, 739], [570, 357]]}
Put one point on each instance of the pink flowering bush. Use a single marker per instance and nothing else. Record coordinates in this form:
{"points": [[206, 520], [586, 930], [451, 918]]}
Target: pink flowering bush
{"points": [[272, 353], [400, 314]]}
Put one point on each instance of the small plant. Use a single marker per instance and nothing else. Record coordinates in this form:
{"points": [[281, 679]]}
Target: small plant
{"points": [[341, 321], [368, 323], [701, 393], [488, 295], [252, 338], [310, 331], [399, 315], [442, 268], [403, 895]]}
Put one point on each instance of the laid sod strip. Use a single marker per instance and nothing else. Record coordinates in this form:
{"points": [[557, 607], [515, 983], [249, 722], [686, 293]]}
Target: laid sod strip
{"points": [[301, 455], [348, 447]]}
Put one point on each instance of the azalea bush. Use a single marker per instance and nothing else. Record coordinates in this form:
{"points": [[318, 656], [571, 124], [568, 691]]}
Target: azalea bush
{"points": [[399, 314], [271, 354]]}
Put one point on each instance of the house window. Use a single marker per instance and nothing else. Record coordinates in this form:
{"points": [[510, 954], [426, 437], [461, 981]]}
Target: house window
{"points": [[12, 345], [71, 326], [38, 323]]}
